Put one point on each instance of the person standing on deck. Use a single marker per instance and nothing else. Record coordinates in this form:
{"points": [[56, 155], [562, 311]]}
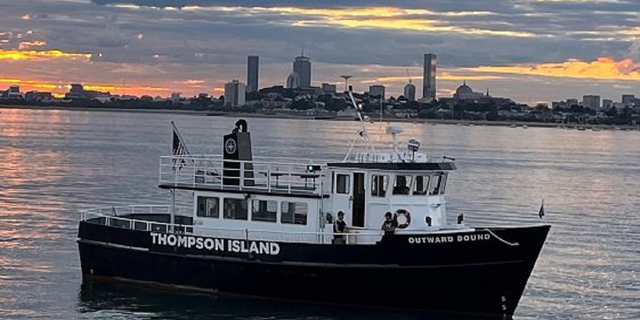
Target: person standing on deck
{"points": [[339, 228]]}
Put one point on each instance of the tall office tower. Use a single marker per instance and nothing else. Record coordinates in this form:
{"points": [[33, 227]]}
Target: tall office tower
{"points": [[429, 77], [252, 73], [234, 93], [410, 92], [591, 101], [302, 68]]}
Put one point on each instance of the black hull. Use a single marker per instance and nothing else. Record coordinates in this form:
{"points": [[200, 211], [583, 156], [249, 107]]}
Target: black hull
{"points": [[477, 277]]}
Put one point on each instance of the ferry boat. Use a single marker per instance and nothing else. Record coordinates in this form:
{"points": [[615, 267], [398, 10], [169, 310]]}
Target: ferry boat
{"points": [[266, 228]]}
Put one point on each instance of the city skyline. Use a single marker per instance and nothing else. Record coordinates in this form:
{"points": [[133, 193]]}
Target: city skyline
{"points": [[530, 51]]}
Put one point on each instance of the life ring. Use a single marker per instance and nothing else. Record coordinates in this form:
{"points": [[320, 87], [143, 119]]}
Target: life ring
{"points": [[406, 214]]}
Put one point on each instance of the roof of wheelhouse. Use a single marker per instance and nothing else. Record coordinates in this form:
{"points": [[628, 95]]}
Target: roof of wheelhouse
{"points": [[397, 166]]}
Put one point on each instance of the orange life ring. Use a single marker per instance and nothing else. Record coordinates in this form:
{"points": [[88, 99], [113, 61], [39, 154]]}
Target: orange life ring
{"points": [[406, 214]]}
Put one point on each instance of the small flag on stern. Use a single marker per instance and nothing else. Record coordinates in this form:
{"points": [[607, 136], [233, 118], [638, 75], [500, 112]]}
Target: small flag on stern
{"points": [[541, 212], [179, 150]]}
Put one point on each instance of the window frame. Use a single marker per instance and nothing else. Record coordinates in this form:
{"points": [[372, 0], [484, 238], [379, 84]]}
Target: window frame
{"points": [[207, 209], [379, 192], [269, 213], [234, 217], [291, 217], [347, 182]]}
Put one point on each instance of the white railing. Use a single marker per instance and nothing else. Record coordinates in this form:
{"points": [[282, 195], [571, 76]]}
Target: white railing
{"points": [[113, 217], [216, 172]]}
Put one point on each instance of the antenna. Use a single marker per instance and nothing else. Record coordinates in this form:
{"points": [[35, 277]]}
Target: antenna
{"points": [[363, 133], [408, 76]]}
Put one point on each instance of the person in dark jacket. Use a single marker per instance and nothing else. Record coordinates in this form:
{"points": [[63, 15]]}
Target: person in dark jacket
{"points": [[340, 227], [390, 224]]}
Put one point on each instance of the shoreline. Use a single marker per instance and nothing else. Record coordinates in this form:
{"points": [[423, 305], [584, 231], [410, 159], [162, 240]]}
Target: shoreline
{"points": [[517, 124]]}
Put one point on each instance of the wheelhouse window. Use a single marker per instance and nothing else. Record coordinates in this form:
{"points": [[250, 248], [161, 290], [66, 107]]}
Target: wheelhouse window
{"points": [[264, 210], [402, 184], [294, 212], [235, 209], [342, 183], [437, 184], [379, 184], [208, 207], [421, 186]]}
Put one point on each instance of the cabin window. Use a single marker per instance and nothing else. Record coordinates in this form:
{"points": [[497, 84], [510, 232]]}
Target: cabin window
{"points": [[402, 185], [208, 207], [437, 184], [294, 212], [379, 185], [443, 183], [264, 210], [422, 185], [342, 183], [235, 209]]}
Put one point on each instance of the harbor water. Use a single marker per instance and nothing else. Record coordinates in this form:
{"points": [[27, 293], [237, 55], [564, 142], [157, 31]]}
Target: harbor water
{"points": [[55, 163]]}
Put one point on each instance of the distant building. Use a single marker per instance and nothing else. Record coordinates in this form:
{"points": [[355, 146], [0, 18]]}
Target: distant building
{"points": [[175, 97], [591, 101], [76, 92], [302, 68], [234, 93], [606, 103], [252, 73], [329, 88], [572, 102], [36, 96], [464, 92], [410, 92], [429, 77], [292, 81], [377, 91], [14, 92], [628, 99]]}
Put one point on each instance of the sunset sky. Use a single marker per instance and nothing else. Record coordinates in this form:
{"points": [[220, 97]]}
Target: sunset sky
{"points": [[528, 50]]}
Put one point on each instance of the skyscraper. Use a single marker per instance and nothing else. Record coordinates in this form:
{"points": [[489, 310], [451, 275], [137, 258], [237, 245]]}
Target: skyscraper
{"points": [[410, 92], [429, 77], [302, 68], [234, 93], [252, 73]]}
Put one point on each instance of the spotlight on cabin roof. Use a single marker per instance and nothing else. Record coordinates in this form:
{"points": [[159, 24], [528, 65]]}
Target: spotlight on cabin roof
{"points": [[413, 145]]}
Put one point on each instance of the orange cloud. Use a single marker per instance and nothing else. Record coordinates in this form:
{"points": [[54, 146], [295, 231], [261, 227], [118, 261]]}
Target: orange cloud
{"points": [[33, 55], [59, 90], [30, 44], [372, 17], [603, 68], [194, 82]]}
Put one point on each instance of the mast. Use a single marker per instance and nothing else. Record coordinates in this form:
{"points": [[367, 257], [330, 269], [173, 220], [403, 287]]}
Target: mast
{"points": [[363, 133]]}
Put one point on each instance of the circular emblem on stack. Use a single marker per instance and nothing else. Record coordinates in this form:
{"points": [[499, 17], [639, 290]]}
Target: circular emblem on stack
{"points": [[230, 146]]}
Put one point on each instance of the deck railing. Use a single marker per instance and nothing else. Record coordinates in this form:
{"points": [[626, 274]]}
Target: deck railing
{"points": [[115, 217], [218, 173]]}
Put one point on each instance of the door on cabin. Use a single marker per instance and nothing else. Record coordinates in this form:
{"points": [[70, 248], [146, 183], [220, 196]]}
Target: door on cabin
{"points": [[358, 203]]}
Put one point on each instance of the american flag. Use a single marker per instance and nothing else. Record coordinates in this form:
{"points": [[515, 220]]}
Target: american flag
{"points": [[541, 212], [179, 151]]}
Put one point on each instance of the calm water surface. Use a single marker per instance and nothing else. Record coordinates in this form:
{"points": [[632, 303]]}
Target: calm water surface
{"points": [[55, 163]]}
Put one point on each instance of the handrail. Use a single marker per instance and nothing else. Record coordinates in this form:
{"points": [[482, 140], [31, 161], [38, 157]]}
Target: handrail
{"points": [[95, 215], [216, 172]]}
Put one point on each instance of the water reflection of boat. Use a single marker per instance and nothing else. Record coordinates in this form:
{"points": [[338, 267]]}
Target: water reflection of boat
{"points": [[265, 228], [116, 300]]}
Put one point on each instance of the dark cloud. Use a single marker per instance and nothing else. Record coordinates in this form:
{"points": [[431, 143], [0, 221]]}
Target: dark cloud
{"points": [[439, 5], [213, 44]]}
